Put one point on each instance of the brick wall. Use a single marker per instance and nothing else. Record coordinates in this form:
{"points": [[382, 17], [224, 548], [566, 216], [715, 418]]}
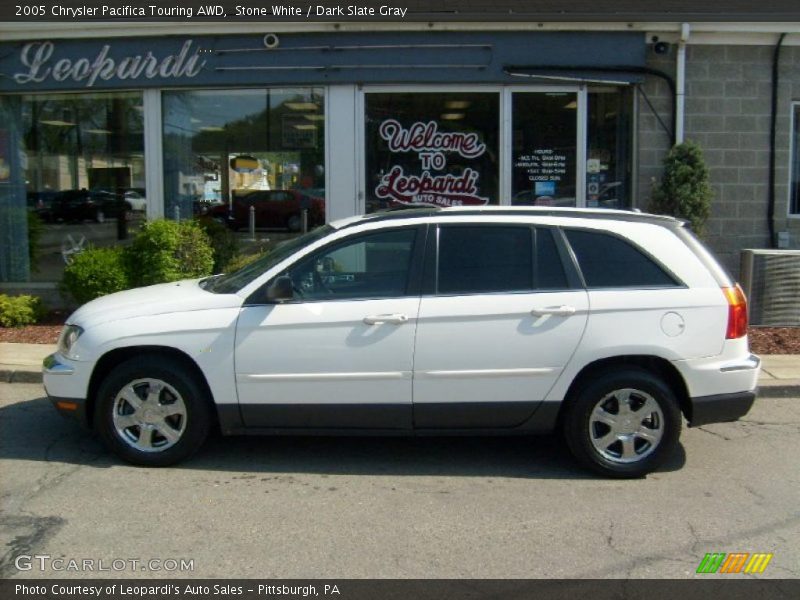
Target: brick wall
{"points": [[728, 95]]}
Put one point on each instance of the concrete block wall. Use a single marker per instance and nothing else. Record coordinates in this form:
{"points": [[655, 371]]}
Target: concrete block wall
{"points": [[728, 101]]}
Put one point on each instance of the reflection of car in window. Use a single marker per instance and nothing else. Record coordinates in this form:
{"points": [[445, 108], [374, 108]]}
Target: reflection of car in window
{"points": [[280, 209], [41, 203], [87, 205], [136, 199]]}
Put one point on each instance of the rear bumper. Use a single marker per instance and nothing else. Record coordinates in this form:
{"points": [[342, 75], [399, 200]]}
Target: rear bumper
{"points": [[720, 408]]}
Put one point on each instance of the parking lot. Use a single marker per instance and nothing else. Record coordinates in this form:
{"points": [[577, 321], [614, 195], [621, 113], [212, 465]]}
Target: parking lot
{"points": [[403, 507]]}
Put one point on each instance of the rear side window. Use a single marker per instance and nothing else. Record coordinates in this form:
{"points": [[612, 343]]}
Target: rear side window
{"points": [[608, 261], [480, 259]]}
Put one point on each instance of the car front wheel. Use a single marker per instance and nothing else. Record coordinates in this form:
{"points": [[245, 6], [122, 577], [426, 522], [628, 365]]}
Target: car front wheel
{"points": [[623, 424], [152, 411]]}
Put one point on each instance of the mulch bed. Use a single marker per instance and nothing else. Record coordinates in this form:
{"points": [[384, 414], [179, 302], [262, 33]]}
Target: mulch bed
{"points": [[45, 332], [763, 340], [775, 340]]}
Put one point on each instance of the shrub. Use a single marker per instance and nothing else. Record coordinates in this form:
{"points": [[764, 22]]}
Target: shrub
{"points": [[223, 243], [93, 273], [684, 190], [166, 251], [16, 311]]}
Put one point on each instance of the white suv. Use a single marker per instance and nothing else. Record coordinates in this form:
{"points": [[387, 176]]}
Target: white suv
{"points": [[605, 324]]}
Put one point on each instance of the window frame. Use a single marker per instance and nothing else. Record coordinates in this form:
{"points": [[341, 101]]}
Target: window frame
{"points": [[413, 282], [678, 282]]}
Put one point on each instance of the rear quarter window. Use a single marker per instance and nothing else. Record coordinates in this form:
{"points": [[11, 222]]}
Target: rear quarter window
{"points": [[608, 261]]}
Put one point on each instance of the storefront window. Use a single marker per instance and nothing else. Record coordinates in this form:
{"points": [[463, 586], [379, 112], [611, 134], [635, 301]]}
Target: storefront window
{"points": [[543, 148], [431, 149], [228, 150], [608, 164], [794, 202], [82, 160]]}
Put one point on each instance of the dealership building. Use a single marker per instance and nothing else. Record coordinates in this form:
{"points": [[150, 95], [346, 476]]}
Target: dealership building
{"points": [[109, 121]]}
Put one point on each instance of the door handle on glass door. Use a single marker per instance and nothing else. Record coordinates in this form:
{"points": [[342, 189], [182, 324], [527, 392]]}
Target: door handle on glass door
{"points": [[394, 319], [557, 311]]}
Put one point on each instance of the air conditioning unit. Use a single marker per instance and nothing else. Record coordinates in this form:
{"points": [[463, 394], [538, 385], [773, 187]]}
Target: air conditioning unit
{"points": [[771, 280]]}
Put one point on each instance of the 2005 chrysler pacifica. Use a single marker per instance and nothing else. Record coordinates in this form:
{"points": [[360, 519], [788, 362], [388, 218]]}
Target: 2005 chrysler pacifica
{"points": [[609, 325]]}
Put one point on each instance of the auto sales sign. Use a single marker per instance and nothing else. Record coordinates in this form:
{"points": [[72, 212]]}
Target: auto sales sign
{"points": [[434, 186]]}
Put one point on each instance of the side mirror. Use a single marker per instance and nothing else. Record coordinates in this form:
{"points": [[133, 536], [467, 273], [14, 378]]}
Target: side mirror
{"points": [[281, 290]]}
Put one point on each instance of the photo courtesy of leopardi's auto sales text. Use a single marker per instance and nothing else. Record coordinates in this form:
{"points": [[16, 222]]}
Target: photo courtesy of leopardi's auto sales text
{"points": [[403, 299]]}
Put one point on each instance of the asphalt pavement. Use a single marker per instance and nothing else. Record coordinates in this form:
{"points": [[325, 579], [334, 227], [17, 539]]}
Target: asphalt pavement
{"points": [[313, 507]]}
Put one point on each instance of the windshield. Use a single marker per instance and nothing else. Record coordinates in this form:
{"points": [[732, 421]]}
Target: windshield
{"points": [[230, 283]]}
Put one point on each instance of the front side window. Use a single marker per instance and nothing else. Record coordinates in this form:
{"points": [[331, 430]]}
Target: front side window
{"points": [[607, 261], [375, 265]]}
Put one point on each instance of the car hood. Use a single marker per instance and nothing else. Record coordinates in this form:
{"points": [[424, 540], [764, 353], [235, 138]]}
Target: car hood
{"points": [[179, 296]]}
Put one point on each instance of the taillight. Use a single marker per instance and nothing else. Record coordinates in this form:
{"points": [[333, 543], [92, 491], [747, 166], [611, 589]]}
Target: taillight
{"points": [[737, 312]]}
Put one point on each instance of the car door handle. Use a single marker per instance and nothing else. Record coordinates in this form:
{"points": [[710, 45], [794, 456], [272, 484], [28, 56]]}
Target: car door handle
{"points": [[556, 311], [394, 319]]}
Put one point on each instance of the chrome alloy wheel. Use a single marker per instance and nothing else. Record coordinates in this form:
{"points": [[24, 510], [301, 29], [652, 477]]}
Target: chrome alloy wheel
{"points": [[149, 415], [626, 425]]}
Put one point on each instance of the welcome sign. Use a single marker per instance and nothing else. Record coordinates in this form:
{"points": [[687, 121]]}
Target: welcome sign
{"points": [[432, 147]]}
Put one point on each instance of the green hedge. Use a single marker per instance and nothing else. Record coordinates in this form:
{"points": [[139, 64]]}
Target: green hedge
{"points": [[223, 243], [162, 251], [95, 272], [165, 251], [16, 311]]}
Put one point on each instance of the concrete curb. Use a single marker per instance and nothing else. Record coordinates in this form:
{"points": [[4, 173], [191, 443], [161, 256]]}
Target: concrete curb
{"points": [[20, 376], [783, 389]]}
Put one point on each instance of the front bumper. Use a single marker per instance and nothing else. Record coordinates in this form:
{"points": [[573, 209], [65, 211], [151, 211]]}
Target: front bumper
{"points": [[720, 408], [61, 382]]}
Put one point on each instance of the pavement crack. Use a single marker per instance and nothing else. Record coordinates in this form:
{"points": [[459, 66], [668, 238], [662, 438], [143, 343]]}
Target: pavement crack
{"points": [[29, 533], [724, 437]]}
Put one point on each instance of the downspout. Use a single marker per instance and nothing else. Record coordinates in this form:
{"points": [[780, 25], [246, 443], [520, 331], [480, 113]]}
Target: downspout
{"points": [[680, 76], [776, 57]]}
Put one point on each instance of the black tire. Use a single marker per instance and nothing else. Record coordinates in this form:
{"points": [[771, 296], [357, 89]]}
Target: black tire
{"points": [[595, 439], [190, 428], [294, 223], [99, 216]]}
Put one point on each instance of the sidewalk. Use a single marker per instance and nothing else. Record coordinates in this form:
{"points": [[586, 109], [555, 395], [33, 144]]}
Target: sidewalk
{"points": [[22, 363]]}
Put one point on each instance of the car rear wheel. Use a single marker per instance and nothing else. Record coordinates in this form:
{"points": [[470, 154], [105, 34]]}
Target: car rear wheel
{"points": [[100, 216], [623, 424], [294, 224], [152, 411]]}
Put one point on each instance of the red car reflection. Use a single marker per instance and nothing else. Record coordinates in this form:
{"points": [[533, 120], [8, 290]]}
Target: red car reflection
{"points": [[274, 209]]}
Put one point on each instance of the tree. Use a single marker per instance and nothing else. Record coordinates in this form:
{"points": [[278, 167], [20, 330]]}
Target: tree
{"points": [[684, 190]]}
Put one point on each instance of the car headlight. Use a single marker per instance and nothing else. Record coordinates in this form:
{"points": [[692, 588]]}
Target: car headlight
{"points": [[69, 335]]}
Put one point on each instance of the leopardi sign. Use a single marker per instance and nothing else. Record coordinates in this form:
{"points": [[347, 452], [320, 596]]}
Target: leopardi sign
{"points": [[41, 67]]}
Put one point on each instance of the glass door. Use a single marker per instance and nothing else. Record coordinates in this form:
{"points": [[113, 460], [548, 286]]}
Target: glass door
{"points": [[544, 148]]}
